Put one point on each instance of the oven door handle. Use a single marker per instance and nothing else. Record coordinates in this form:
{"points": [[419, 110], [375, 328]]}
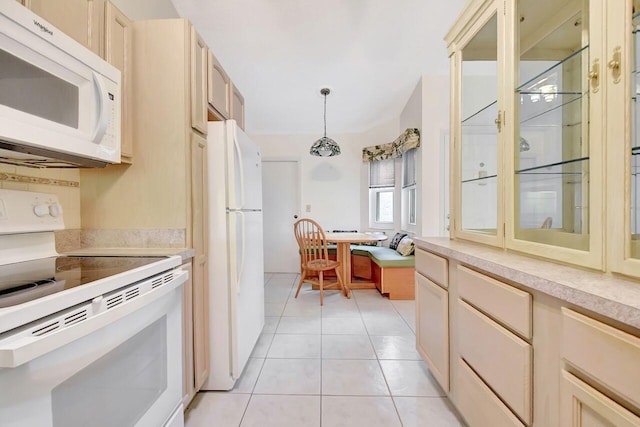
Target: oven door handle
{"points": [[20, 348]]}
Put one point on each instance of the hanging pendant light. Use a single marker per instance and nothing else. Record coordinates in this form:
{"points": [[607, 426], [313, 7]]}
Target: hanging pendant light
{"points": [[325, 147]]}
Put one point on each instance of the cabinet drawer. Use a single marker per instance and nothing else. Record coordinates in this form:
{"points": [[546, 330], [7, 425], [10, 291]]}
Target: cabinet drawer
{"points": [[606, 354], [432, 328], [432, 266], [499, 357], [582, 405], [506, 304], [477, 403]]}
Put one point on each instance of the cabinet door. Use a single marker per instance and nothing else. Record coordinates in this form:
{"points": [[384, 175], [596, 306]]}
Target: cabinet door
{"points": [[556, 141], [188, 391], [119, 53], [477, 118], [620, 75], [432, 328], [218, 88], [199, 233], [199, 54], [583, 406], [237, 106], [80, 19]]}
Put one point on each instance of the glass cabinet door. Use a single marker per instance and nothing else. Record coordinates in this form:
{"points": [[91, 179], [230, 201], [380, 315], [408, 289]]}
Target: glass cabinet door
{"points": [[478, 150], [551, 139]]}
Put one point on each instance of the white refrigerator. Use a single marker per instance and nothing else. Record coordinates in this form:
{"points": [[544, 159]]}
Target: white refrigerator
{"points": [[236, 266]]}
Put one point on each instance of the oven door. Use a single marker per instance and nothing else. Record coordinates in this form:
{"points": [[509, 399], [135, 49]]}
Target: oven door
{"points": [[54, 93], [128, 373]]}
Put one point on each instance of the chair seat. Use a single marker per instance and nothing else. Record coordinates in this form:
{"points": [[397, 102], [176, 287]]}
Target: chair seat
{"points": [[321, 264]]}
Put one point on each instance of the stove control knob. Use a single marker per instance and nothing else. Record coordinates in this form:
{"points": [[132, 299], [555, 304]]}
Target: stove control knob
{"points": [[55, 210], [41, 210]]}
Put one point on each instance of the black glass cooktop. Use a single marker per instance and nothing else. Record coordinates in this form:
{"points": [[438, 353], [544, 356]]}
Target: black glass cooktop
{"points": [[25, 281]]}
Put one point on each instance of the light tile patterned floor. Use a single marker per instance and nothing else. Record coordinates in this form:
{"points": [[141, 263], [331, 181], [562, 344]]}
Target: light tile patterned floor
{"points": [[350, 363]]}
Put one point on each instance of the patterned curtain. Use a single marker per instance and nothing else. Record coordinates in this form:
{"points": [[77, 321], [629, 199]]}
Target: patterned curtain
{"points": [[409, 139]]}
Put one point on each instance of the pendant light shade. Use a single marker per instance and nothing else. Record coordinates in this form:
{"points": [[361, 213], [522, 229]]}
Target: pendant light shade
{"points": [[325, 147]]}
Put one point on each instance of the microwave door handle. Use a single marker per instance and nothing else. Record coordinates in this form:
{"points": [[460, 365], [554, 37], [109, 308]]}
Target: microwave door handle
{"points": [[103, 118]]}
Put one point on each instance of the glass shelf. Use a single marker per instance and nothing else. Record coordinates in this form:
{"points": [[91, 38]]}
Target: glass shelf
{"points": [[568, 167], [551, 102], [482, 178], [485, 116], [552, 75]]}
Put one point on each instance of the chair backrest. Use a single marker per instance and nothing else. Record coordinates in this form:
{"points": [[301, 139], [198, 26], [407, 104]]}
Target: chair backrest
{"points": [[311, 240]]}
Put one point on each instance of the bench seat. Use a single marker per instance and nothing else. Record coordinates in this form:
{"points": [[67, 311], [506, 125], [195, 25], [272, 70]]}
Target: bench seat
{"points": [[392, 273]]}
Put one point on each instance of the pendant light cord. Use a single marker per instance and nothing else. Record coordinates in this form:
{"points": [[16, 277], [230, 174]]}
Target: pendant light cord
{"points": [[325, 115]]}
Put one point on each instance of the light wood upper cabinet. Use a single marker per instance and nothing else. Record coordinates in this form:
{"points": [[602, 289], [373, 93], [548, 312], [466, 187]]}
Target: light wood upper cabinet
{"points": [[543, 119], [80, 19], [237, 106], [218, 88], [199, 57], [119, 53]]}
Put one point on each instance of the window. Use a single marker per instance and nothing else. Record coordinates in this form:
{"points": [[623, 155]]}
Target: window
{"points": [[409, 203], [382, 183]]}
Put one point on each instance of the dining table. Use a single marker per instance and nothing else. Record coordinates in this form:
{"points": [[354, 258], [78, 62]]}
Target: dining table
{"points": [[343, 242]]}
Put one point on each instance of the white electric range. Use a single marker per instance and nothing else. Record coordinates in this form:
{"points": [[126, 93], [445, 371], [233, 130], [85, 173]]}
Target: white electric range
{"points": [[84, 340]]}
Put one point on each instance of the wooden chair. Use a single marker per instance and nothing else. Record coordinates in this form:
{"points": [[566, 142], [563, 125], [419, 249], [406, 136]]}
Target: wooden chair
{"points": [[314, 255]]}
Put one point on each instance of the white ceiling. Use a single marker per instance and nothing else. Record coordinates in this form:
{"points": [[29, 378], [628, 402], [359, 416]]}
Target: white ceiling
{"points": [[279, 53]]}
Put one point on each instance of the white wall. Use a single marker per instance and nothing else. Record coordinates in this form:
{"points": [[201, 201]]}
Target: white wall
{"points": [[333, 185], [428, 110]]}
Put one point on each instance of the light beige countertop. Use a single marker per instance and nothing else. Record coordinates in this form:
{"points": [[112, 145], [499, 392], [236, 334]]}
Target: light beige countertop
{"points": [[605, 294], [185, 253]]}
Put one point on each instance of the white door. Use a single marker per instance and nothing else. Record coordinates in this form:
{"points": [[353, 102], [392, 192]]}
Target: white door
{"points": [[281, 206]]}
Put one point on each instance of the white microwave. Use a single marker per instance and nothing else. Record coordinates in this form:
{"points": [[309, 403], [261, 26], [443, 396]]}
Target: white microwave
{"points": [[59, 102]]}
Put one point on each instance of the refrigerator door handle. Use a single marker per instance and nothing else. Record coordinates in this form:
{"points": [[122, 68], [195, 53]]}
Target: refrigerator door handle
{"points": [[243, 242], [236, 146]]}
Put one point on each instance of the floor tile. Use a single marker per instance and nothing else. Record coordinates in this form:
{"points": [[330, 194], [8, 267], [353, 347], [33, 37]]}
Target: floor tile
{"points": [[282, 411], [347, 347], [343, 326], [249, 376], [410, 378], [407, 310], [270, 324], [349, 411], [276, 295], [290, 346], [386, 325], [221, 409], [302, 309], [299, 325], [414, 411], [274, 309], [353, 378], [396, 347], [329, 310], [283, 279], [262, 346], [289, 376]]}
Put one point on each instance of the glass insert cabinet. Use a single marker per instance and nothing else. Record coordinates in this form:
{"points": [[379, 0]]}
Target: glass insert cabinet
{"points": [[546, 153]]}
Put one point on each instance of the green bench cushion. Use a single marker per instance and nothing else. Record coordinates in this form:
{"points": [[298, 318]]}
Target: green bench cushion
{"points": [[384, 257], [332, 249]]}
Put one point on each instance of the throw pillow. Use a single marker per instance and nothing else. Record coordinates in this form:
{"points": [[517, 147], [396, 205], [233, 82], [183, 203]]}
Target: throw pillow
{"points": [[405, 247], [393, 244]]}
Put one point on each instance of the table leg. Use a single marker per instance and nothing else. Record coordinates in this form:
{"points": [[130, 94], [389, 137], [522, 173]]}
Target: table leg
{"points": [[344, 256]]}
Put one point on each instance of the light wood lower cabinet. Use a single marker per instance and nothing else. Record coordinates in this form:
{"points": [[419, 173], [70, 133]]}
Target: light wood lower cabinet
{"points": [[432, 328], [511, 356], [479, 405], [584, 406], [501, 359]]}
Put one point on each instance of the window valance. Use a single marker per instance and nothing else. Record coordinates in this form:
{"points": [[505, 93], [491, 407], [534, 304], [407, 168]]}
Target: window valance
{"points": [[409, 139]]}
